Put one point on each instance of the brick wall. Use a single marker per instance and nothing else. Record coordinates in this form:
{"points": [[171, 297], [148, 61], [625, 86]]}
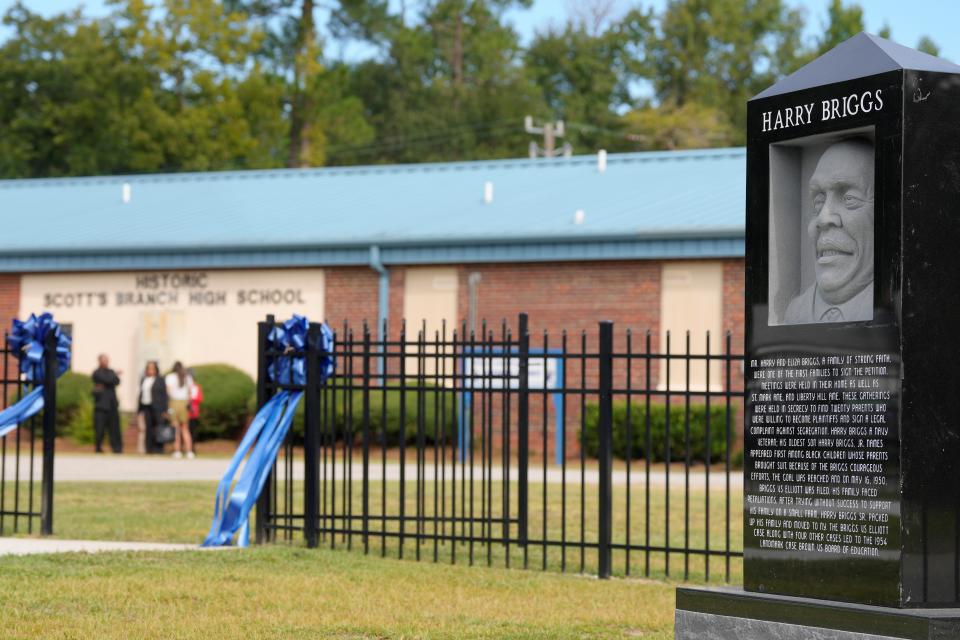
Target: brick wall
{"points": [[733, 319], [352, 296], [567, 295], [733, 309], [9, 299], [571, 297], [557, 296]]}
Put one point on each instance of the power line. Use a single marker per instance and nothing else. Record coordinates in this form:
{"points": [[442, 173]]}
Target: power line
{"points": [[443, 134]]}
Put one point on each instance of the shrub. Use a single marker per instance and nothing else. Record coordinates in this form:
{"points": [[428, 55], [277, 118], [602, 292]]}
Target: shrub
{"points": [[736, 460], [658, 421], [75, 407], [385, 412], [348, 415], [226, 393]]}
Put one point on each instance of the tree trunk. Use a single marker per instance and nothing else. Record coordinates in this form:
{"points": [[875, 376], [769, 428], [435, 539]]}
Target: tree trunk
{"points": [[458, 51], [300, 103], [457, 59]]}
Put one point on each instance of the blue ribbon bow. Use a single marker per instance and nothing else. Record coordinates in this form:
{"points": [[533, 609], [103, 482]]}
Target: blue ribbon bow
{"points": [[292, 335], [267, 431], [27, 340]]}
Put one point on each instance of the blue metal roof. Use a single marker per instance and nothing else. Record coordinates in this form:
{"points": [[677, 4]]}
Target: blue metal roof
{"points": [[645, 205]]}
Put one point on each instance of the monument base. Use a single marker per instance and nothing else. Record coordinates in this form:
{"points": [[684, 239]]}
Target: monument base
{"points": [[734, 614]]}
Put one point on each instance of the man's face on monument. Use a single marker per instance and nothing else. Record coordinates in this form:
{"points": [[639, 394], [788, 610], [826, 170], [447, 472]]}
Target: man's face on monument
{"points": [[841, 190]]}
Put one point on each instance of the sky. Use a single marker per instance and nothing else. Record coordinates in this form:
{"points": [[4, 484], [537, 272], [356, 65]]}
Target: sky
{"points": [[908, 20]]}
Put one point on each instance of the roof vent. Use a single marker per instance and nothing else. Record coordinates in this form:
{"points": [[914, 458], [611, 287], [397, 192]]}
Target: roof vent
{"points": [[579, 216], [125, 193], [601, 161], [487, 192]]}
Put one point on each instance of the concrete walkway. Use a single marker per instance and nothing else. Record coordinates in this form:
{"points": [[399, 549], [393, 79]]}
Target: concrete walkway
{"points": [[30, 546], [137, 468]]}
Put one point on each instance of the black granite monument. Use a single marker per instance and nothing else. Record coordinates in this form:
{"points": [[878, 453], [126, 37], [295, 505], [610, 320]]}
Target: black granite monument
{"points": [[852, 421]]}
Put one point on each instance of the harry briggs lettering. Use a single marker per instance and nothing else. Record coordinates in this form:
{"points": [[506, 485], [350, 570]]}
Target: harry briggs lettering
{"points": [[831, 109]]}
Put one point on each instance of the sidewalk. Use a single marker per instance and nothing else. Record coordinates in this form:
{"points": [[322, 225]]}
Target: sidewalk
{"points": [[137, 468], [30, 546]]}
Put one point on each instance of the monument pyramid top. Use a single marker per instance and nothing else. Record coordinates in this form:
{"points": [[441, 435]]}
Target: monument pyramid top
{"points": [[861, 56]]}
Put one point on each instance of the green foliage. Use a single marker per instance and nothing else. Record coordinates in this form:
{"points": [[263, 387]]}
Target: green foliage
{"points": [[634, 439], [585, 73], [448, 86], [421, 410], [719, 53], [226, 393], [927, 45], [736, 460], [234, 84], [75, 407], [843, 22], [692, 126]]}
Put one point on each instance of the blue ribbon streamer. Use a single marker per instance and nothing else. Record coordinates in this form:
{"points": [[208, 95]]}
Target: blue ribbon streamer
{"points": [[267, 431], [29, 405], [274, 421], [27, 340]]}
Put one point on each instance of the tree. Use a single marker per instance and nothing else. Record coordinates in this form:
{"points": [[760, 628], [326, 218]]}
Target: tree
{"points": [[843, 22], [927, 45], [719, 53], [210, 108], [585, 73], [68, 98], [447, 82], [691, 126], [139, 91], [319, 111]]}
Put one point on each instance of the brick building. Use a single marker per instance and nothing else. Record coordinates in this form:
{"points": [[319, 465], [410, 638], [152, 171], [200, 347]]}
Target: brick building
{"points": [[181, 266]]}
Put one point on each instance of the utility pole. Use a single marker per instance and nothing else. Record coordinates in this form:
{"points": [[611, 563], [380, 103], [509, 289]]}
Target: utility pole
{"points": [[551, 131]]}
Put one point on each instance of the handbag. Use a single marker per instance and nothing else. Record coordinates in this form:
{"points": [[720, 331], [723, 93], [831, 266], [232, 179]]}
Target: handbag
{"points": [[165, 432]]}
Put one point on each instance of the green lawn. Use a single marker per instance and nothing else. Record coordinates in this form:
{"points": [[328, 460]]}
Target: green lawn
{"points": [[285, 590], [687, 526], [282, 592], [180, 512]]}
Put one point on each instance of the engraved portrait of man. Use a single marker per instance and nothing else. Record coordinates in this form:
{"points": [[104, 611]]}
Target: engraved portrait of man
{"points": [[840, 227]]}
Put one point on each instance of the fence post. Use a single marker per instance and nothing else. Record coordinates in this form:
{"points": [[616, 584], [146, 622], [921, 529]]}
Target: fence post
{"points": [[606, 448], [366, 433], [523, 429], [265, 501], [49, 432], [311, 439]]}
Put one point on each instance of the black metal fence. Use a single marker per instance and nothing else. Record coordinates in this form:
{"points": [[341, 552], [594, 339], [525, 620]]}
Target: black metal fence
{"points": [[26, 476], [601, 452]]}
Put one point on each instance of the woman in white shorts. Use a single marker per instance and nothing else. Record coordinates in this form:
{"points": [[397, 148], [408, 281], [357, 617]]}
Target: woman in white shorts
{"points": [[178, 392]]}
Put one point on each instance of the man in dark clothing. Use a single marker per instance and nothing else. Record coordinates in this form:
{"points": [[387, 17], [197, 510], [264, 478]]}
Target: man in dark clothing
{"points": [[106, 417]]}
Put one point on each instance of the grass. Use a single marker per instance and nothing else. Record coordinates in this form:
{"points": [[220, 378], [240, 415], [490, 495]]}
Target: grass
{"points": [[341, 594], [181, 511], [283, 592], [553, 517]]}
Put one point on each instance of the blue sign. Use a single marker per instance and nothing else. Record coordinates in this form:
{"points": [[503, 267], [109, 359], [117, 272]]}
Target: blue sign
{"points": [[486, 369]]}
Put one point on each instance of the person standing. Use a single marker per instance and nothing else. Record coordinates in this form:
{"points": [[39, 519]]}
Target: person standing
{"points": [[178, 390], [106, 414], [152, 405], [196, 398]]}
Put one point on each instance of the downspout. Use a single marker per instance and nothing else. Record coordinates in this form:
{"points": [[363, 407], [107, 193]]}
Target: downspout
{"points": [[473, 284], [383, 303]]}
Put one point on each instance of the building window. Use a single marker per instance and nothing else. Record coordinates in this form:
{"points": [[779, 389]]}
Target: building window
{"points": [[691, 299]]}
